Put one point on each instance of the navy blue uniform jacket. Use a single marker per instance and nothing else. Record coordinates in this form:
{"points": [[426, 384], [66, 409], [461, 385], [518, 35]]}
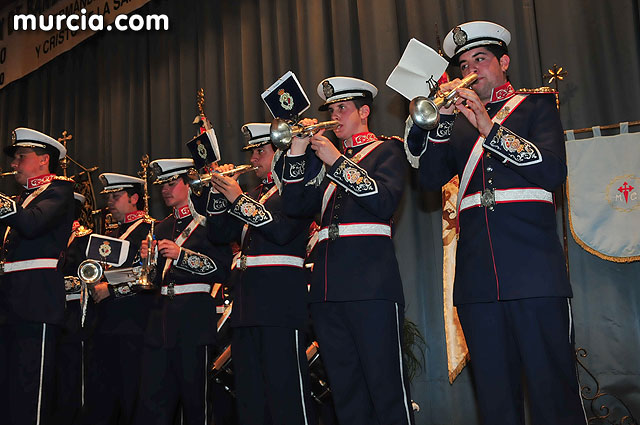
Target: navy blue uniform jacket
{"points": [[264, 295], [357, 267], [187, 318], [512, 250], [125, 312], [41, 230]]}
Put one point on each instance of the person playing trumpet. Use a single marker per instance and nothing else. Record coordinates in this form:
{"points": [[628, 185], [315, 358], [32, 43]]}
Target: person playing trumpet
{"points": [[357, 306], [181, 329], [511, 287], [32, 296], [269, 292]]}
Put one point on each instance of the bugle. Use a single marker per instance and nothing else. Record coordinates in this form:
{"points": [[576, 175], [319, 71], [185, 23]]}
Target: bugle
{"points": [[138, 277], [425, 112], [197, 181], [90, 271], [282, 133], [8, 173]]}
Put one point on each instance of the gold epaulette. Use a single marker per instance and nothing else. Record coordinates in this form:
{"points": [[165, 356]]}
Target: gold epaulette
{"points": [[539, 90], [398, 138], [65, 179], [83, 231]]}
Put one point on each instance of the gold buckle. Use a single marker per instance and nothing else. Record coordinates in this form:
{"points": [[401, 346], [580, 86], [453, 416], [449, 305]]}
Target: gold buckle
{"points": [[171, 292], [1, 268], [243, 263]]}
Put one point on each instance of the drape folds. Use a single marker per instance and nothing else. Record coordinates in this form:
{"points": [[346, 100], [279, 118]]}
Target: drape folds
{"points": [[122, 95]]}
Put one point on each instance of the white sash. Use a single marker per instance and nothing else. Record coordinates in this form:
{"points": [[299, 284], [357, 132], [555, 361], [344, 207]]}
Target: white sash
{"points": [[476, 152], [331, 188], [26, 202], [180, 240]]}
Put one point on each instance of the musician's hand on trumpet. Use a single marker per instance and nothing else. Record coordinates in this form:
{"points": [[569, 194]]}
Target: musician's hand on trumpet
{"points": [[227, 185], [300, 142], [445, 88], [324, 148], [470, 105]]}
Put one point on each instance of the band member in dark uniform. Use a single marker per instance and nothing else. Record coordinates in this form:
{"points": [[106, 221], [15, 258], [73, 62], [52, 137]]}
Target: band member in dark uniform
{"points": [[269, 289], [115, 346], [511, 286], [357, 302], [32, 293], [70, 354], [182, 327]]}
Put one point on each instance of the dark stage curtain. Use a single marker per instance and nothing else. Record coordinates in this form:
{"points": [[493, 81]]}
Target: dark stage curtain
{"points": [[125, 94]]}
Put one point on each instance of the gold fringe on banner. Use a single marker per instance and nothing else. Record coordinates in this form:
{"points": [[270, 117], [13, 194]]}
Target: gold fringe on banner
{"points": [[457, 351], [587, 247]]}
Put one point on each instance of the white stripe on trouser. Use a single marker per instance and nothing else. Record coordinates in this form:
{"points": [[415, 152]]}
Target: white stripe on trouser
{"points": [[304, 407], [82, 373], [584, 412], [44, 334], [404, 390], [206, 380]]}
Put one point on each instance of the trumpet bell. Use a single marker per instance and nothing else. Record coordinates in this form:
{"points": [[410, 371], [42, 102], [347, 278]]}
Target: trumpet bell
{"points": [[424, 113], [281, 134], [90, 271]]}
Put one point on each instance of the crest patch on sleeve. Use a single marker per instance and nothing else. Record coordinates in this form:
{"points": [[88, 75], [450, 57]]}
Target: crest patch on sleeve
{"points": [[513, 148]]}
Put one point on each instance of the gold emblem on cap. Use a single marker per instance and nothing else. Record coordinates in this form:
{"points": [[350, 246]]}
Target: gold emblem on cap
{"points": [[13, 137], [246, 133], [459, 36], [327, 89]]}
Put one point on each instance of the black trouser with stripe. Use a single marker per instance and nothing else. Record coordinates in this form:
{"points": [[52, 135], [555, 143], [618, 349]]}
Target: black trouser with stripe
{"points": [[534, 336], [360, 347], [271, 376], [174, 378], [113, 379], [27, 369]]}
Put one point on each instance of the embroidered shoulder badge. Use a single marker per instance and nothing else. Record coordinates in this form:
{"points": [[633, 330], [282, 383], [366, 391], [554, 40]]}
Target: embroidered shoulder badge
{"points": [[513, 148], [251, 211], [7, 206], [196, 263], [354, 178]]}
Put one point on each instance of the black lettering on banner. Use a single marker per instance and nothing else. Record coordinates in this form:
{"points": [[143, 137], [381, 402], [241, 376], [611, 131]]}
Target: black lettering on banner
{"points": [[1, 78], [106, 8], [1, 29], [3, 55]]}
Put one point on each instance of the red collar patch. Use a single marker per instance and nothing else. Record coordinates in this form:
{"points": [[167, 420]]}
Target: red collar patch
{"points": [[136, 215], [268, 179], [502, 92], [361, 139], [182, 212], [34, 182]]}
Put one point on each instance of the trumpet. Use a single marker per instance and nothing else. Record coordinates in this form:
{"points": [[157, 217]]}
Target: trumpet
{"points": [[138, 277], [282, 133], [425, 112], [197, 181], [8, 173], [90, 271]]}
